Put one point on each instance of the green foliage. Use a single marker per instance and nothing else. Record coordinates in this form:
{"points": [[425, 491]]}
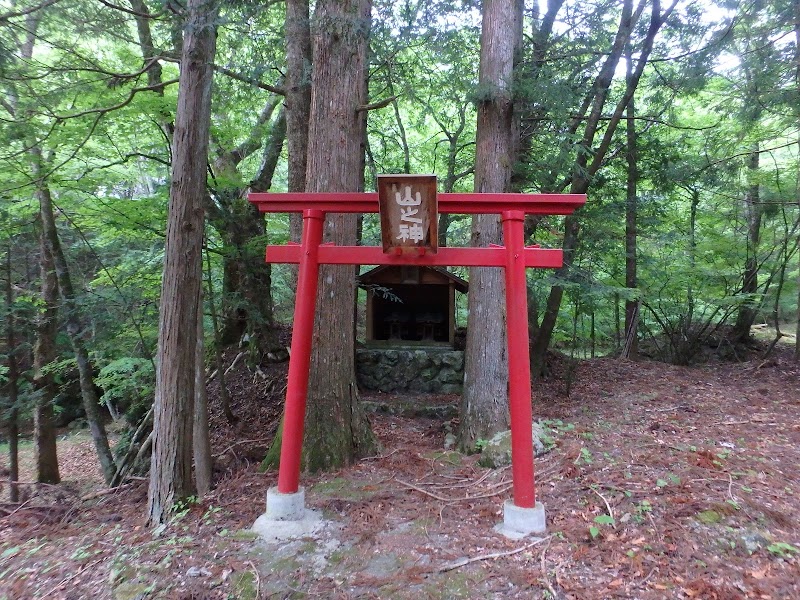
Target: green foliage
{"points": [[82, 102], [129, 384], [783, 549]]}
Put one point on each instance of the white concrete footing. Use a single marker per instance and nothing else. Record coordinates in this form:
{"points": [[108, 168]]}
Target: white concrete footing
{"points": [[519, 522], [286, 507], [287, 517]]}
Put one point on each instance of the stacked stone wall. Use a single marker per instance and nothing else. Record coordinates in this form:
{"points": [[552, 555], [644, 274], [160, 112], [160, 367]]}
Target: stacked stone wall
{"points": [[428, 370]]}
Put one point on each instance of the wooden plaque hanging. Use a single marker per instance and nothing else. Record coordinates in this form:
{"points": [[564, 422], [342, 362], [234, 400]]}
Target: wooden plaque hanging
{"points": [[409, 215]]}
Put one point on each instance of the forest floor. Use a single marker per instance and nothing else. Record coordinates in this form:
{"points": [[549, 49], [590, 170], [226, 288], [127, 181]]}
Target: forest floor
{"points": [[662, 482]]}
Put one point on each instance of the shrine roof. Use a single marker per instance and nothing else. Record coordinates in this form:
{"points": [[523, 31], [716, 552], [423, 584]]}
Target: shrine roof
{"points": [[383, 272]]}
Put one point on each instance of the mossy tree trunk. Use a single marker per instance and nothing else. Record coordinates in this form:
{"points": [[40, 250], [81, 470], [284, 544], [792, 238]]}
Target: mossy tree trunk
{"points": [[247, 306], [337, 430]]}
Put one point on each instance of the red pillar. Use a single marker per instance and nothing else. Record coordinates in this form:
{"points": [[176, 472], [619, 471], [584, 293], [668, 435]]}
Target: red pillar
{"points": [[300, 359], [519, 368]]}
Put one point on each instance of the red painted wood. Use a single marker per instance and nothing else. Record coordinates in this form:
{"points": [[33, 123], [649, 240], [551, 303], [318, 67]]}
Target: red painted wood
{"points": [[299, 364], [367, 202], [542, 258], [514, 257], [519, 367]]}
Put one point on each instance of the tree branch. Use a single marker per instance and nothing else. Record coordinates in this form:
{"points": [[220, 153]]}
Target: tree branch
{"points": [[376, 105], [244, 79], [107, 109], [135, 13], [27, 11]]}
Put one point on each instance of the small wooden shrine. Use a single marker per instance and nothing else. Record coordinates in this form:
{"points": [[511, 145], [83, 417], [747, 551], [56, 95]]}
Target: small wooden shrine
{"points": [[411, 305]]}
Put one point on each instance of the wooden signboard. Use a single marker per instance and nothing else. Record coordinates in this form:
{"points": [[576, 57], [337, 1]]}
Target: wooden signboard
{"points": [[409, 216]]}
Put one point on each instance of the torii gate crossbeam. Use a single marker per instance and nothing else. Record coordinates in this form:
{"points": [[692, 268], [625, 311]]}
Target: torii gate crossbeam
{"points": [[513, 257]]}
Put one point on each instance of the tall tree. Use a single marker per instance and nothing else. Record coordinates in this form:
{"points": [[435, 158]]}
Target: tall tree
{"points": [[44, 353], [337, 429], [47, 324], [298, 90], [484, 401], [201, 442], [796, 104], [755, 53], [631, 346], [75, 330], [171, 466], [12, 415], [298, 99], [590, 155]]}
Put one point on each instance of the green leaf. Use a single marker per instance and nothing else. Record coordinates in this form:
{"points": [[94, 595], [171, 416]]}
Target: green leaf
{"points": [[783, 549], [605, 520], [594, 531]]}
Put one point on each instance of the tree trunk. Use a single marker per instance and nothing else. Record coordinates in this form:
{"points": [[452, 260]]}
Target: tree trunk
{"points": [[484, 401], [584, 169], [796, 5], [149, 52], [748, 310], [298, 101], [75, 331], [203, 464], [337, 430], [452, 176], [12, 423], [170, 472], [224, 397], [631, 304], [246, 284], [44, 353], [247, 306]]}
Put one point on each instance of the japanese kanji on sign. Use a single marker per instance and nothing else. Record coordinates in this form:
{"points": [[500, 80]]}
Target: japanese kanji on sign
{"points": [[408, 213]]}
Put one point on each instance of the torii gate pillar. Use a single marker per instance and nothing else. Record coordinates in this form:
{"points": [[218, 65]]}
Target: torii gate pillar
{"points": [[523, 514]]}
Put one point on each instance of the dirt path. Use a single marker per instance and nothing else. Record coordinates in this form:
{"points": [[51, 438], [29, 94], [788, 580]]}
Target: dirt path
{"points": [[663, 482]]}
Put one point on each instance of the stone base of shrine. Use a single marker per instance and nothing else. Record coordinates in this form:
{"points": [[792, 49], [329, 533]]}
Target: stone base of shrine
{"points": [[422, 370], [520, 522]]}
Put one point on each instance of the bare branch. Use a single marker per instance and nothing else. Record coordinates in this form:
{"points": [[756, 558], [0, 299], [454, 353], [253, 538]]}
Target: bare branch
{"points": [[27, 11], [375, 105], [159, 14], [252, 81]]}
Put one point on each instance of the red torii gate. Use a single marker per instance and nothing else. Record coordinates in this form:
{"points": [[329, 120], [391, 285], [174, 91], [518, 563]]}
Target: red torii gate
{"points": [[514, 257]]}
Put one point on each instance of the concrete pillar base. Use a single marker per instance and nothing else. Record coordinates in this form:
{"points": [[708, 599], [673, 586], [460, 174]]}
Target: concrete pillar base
{"points": [[519, 522], [286, 507]]}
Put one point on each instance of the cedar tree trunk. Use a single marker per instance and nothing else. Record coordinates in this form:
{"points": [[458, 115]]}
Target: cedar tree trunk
{"points": [[298, 100], [631, 207], [337, 430], [75, 331], [484, 402], [171, 468], [44, 353]]}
